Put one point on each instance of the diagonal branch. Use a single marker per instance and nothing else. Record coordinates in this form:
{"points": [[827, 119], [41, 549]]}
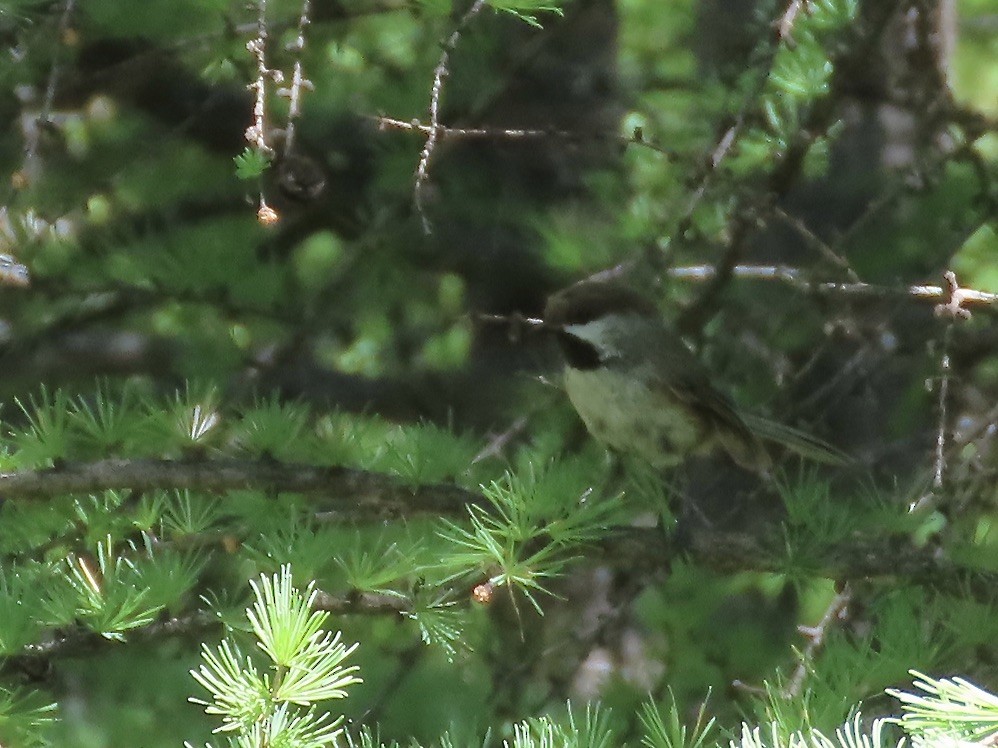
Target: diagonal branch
{"points": [[440, 72], [787, 167]]}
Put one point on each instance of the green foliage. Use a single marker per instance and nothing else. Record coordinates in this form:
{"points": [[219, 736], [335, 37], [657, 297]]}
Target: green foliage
{"points": [[947, 709], [526, 536], [527, 10], [442, 624], [25, 718], [251, 163], [591, 731], [45, 438], [277, 706], [850, 735], [19, 609], [107, 591], [671, 731], [801, 73], [343, 341]]}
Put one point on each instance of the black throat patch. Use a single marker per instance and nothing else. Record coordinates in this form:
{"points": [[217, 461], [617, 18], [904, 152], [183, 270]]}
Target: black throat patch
{"points": [[579, 354]]}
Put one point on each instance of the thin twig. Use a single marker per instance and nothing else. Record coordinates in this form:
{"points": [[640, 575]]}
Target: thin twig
{"points": [[953, 309], [439, 73], [79, 640], [407, 660], [298, 80], [944, 379], [787, 167], [873, 208], [816, 635], [367, 603], [730, 133], [512, 133], [499, 441], [817, 242], [34, 132], [720, 150], [785, 24], [797, 279], [257, 132]]}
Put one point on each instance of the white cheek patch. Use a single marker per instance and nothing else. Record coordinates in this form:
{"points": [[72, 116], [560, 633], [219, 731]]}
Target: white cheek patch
{"points": [[600, 333]]}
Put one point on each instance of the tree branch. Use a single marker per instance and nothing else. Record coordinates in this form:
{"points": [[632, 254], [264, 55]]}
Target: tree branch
{"points": [[79, 640], [644, 551], [358, 490], [880, 555], [440, 72], [947, 298], [788, 166]]}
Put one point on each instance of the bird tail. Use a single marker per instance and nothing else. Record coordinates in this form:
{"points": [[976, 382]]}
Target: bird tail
{"points": [[796, 440]]}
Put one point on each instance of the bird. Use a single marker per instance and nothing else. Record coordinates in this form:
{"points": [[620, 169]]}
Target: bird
{"points": [[640, 390]]}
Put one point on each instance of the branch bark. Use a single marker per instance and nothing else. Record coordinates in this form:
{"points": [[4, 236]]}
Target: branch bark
{"points": [[349, 489]]}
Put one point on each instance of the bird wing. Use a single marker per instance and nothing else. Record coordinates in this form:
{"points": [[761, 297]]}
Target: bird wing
{"points": [[801, 442], [680, 374]]}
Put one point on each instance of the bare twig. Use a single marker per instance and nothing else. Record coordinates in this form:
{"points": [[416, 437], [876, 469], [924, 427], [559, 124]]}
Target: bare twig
{"points": [[941, 431], [516, 323], [785, 24], [439, 73], [33, 133], [499, 441], [390, 123], [407, 659], [796, 278], [80, 640], [817, 242], [836, 611], [257, 132], [729, 134], [954, 310], [953, 307], [711, 163], [512, 133], [786, 169], [642, 551], [872, 210], [298, 80], [356, 490]]}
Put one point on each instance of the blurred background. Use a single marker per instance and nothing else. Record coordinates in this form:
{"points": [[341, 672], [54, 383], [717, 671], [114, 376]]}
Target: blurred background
{"points": [[750, 166]]}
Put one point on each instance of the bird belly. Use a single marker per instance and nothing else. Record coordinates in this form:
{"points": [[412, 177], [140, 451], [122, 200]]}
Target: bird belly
{"points": [[628, 416]]}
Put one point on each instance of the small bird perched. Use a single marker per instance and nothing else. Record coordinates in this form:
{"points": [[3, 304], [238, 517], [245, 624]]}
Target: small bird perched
{"points": [[641, 391]]}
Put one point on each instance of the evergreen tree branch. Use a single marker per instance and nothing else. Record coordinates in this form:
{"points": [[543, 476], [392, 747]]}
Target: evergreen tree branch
{"points": [[865, 558], [440, 72], [788, 167], [80, 641], [382, 494], [35, 659], [362, 602], [357, 490]]}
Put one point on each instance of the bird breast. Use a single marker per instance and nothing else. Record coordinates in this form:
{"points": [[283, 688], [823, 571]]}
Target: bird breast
{"points": [[620, 410]]}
